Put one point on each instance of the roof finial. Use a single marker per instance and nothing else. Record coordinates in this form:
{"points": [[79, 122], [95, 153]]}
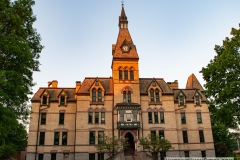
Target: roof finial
{"points": [[122, 2]]}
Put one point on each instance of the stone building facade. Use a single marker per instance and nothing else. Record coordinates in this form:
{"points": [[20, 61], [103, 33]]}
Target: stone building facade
{"points": [[65, 122]]}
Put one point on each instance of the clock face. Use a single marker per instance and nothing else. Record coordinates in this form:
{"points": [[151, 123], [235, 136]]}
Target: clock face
{"points": [[125, 48]]}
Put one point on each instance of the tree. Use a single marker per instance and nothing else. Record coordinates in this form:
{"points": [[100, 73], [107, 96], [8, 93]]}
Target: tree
{"points": [[155, 144], [222, 76], [19, 53], [111, 145]]}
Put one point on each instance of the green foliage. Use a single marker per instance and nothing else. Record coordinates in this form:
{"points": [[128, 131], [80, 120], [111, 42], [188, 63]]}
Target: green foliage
{"points": [[111, 145], [155, 144], [19, 53], [222, 76]]}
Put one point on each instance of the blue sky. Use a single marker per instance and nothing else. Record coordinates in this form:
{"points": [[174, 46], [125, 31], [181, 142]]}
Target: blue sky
{"points": [[173, 38]]}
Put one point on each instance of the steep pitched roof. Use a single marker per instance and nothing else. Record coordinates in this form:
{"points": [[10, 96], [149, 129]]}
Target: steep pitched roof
{"points": [[107, 84], [193, 83], [146, 82], [54, 93], [189, 93]]}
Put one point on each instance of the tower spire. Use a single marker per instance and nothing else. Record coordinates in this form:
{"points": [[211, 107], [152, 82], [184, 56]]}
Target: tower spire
{"points": [[123, 22]]}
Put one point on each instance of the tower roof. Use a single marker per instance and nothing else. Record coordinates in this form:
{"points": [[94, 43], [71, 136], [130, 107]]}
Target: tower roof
{"points": [[123, 16], [193, 83]]}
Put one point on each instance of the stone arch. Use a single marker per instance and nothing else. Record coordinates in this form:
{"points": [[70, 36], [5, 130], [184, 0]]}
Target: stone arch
{"points": [[126, 89], [149, 109], [130, 131], [90, 109], [103, 109], [161, 109]]}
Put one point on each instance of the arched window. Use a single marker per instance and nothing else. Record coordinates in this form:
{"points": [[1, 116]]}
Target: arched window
{"points": [[120, 74], [124, 96], [151, 95], [131, 74], [129, 96], [157, 95], [99, 95], [126, 74], [94, 95]]}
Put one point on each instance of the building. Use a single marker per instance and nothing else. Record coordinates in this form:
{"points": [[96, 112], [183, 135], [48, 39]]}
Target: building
{"points": [[65, 121]]}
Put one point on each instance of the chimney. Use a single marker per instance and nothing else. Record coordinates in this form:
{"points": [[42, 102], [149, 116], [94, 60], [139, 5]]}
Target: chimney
{"points": [[173, 85], [54, 84], [78, 85]]}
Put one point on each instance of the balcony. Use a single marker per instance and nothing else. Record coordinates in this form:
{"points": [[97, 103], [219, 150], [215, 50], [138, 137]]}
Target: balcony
{"points": [[128, 125]]}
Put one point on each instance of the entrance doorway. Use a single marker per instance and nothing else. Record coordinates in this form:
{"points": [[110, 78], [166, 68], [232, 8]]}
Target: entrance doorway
{"points": [[130, 150]]}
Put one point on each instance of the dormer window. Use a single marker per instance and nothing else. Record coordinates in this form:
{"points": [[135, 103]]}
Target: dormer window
{"points": [[99, 95], [151, 95], [157, 95], [62, 100], [44, 100], [94, 95], [197, 99], [181, 101]]}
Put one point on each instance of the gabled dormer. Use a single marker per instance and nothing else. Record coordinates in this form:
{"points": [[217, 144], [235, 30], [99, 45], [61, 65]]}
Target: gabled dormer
{"points": [[62, 98], [45, 98], [181, 99], [154, 93], [97, 92], [197, 98]]}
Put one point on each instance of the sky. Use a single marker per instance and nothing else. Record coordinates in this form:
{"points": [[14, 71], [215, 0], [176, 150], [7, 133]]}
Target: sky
{"points": [[173, 38]]}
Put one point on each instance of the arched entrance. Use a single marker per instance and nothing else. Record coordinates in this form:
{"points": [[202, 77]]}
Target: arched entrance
{"points": [[130, 150]]}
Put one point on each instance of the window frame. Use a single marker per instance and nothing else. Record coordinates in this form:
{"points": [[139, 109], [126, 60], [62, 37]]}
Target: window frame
{"points": [[162, 120], [103, 118], [90, 117], [203, 153], [99, 136], [43, 118], [62, 100], [161, 133], [61, 118], [197, 101], [92, 138], [183, 118], [94, 95], [56, 138], [40, 156], [96, 117], [201, 136], [157, 95], [155, 117], [41, 138], [44, 100], [199, 117], [91, 156], [125, 74], [185, 136], [124, 96], [64, 139], [151, 95], [150, 120], [186, 153], [53, 156], [181, 100], [131, 75], [120, 74], [99, 95], [129, 97]]}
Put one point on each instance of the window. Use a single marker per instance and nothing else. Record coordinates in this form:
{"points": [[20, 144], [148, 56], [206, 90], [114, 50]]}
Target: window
{"points": [[186, 153], [129, 117], [96, 83], [61, 118], [162, 117], [185, 137], [203, 153], [43, 118], [64, 138], [199, 117], [40, 156], [62, 100], [56, 138], [124, 96], [96, 117], [120, 74], [99, 95], [151, 95], [156, 117], [181, 100], [161, 133], [90, 117], [92, 137], [149, 117], [53, 156], [129, 96], [135, 115], [131, 75], [153, 135], [183, 118], [92, 156], [125, 74], [42, 138], [94, 95], [157, 95], [44, 100], [102, 117], [100, 136], [121, 116], [201, 136], [100, 156], [197, 100]]}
